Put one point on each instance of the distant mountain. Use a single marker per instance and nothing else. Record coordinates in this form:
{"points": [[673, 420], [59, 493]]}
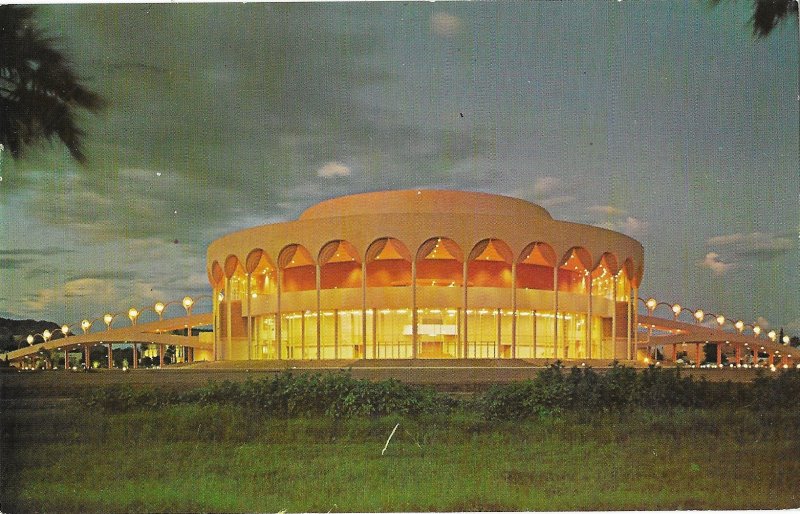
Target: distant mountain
{"points": [[14, 331]]}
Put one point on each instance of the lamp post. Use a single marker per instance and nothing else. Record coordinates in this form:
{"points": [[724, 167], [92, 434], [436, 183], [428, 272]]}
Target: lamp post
{"points": [[108, 319], [676, 310], [720, 320], [651, 305], [159, 308], [86, 325], [699, 315], [29, 339], [187, 303], [757, 330]]}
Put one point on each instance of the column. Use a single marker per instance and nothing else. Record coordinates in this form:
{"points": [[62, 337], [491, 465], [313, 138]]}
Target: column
{"points": [[497, 345], [464, 303], [86, 363], [335, 333], [614, 318], [738, 351], [414, 308], [719, 354], [364, 308], [279, 279], [513, 310], [771, 358], [319, 312], [249, 327], [674, 353], [555, 312], [215, 320], [135, 357], [697, 354], [228, 322], [66, 358], [588, 278], [110, 357], [628, 327], [302, 337], [534, 333]]}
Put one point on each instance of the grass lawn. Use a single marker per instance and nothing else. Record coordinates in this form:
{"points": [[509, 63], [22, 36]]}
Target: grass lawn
{"points": [[224, 458]]}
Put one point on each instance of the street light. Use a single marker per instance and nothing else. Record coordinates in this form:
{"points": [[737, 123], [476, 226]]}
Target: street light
{"points": [[772, 335], [29, 339], [159, 308], [132, 315], [786, 339], [676, 309], [107, 319], [739, 325], [65, 330], [651, 304], [86, 325], [699, 315], [756, 330], [720, 320], [187, 304], [46, 335]]}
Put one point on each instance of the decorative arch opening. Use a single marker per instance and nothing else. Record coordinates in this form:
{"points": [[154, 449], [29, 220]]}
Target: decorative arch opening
{"points": [[624, 285], [340, 266], [238, 280], [535, 267], [489, 264], [216, 276], [298, 269], [388, 263], [262, 272], [603, 276], [572, 271], [439, 263]]}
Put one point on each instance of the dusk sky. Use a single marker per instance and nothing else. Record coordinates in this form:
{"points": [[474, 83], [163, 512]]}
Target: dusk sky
{"points": [[666, 121]]}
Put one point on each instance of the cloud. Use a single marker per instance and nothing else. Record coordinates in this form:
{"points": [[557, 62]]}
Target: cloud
{"points": [[89, 287], [754, 244], [556, 201], [717, 267], [631, 226], [605, 210], [444, 24], [333, 169], [546, 185]]}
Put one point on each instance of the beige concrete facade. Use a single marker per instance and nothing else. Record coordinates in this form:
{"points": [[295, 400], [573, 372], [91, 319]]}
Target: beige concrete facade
{"points": [[406, 255]]}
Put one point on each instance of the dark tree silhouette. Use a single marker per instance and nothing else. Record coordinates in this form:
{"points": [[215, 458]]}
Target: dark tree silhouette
{"points": [[767, 14], [39, 91]]}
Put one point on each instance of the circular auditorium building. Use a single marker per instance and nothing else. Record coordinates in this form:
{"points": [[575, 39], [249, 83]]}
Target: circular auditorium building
{"points": [[424, 274]]}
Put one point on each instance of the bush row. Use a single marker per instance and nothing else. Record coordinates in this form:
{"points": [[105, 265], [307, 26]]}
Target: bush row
{"points": [[553, 391], [335, 395]]}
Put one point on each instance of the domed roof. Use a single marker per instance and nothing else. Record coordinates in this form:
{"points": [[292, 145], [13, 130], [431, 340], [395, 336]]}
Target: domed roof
{"points": [[420, 201]]}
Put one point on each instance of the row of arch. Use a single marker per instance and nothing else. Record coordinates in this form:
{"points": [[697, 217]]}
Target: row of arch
{"points": [[439, 261]]}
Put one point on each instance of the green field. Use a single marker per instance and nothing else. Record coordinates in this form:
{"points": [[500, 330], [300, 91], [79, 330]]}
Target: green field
{"points": [[229, 458]]}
